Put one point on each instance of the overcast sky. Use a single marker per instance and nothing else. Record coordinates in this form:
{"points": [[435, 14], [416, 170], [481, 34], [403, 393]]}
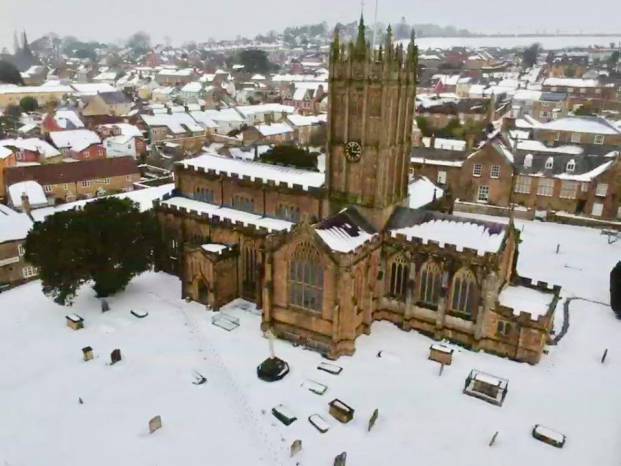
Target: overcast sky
{"points": [[198, 20]]}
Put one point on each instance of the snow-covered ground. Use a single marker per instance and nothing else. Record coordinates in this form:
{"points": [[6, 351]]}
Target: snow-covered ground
{"points": [[423, 418]]}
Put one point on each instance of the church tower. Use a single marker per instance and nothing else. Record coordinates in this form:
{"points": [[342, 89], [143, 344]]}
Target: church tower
{"points": [[371, 112]]}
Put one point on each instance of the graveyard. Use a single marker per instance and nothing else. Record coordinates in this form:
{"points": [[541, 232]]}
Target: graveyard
{"points": [[183, 387]]}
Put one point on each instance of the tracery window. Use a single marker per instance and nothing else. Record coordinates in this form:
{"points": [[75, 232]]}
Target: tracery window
{"points": [[306, 279], [430, 283], [464, 292], [399, 271]]}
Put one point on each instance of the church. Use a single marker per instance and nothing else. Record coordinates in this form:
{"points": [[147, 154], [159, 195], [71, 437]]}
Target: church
{"points": [[324, 255]]}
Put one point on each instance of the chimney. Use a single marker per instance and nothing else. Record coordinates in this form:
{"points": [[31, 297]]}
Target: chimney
{"points": [[26, 207], [432, 141]]}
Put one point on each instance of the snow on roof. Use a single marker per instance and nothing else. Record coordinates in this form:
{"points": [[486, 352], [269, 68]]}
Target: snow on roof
{"points": [[306, 120], [224, 115], [172, 72], [13, 89], [4, 152], [143, 197], [68, 118], [13, 225], [33, 145], [423, 192], [32, 189], [538, 146], [75, 140], [447, 144], [248, 110], [215, 248], [576, 124], [177, 122], [126, 129], [571, 82], [271, 224], [524, 299], [258, 77], [274, 129], [505, 151], [256, 170], [203, 119], [549, 433], [462, 234], [442, 163], [193, 86], [88, 89], [526, 94], [345, 231], [586, 176]]}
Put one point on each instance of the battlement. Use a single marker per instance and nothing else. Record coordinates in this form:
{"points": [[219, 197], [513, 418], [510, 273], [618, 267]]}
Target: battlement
{"points": [[443, 247], [529, 302]]}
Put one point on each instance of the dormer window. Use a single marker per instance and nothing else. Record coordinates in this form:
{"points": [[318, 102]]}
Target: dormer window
{"points": [[528, 161], [549, 163], [571, 166]]}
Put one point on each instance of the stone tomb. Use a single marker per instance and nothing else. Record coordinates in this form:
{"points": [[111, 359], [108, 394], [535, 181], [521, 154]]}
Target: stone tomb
{"points": [[341, 411], [74, 321], [441, 353], [155, 424], [87, 353]]}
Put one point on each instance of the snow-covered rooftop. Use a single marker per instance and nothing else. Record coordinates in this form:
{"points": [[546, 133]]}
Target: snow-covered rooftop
{"points": [[256, 171], [89, 89], [423, 192], [13, 225], [177, 123], [33, 145], [593, 125], [274, 129], [234, 215], [446, 144], [524, 299], [76, 140], [538, 146], [32, 189], [126, 129], [571, 82]]}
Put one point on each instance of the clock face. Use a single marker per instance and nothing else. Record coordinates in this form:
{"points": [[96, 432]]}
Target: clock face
{"points": [[353, 151]]}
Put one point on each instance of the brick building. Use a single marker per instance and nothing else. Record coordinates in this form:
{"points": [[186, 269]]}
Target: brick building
{"points": [[14, 228]]}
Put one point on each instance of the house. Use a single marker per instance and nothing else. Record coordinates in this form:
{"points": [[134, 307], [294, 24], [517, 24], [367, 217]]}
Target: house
{"points": [[7, 159], [66, 182], [60, 120], [121, 139], [191, 92], [11, 94], [179, 128], [309, 130], [174, 77], [25, 195], [78, 144], [82, 90], [581, 91], [226, 120], [276, 133], [14, 228], [578, 130], [439, 160], [32, 150], [106, 107]]}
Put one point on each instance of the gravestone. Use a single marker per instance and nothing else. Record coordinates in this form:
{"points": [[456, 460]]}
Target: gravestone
{"points": [[373, 419], [87, 352], [340, 459], [105, 307], [493, 440], [296, 447], [115, 356], [155, 424]]}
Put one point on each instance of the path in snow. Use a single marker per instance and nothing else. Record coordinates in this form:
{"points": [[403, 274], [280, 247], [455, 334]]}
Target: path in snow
{"points": [[565, 327], [244, 414]]}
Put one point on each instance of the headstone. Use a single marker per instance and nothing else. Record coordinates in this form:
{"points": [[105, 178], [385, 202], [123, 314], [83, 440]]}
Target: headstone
{"points": [[296, 447], [604, 356], [155, 424], [87, 352], [340, 459], [115, 356], [373, 419], [493, 440], [80, 400], [105, 307]]}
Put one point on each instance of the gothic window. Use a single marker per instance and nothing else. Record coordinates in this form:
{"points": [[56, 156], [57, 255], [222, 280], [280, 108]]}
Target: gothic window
{"points": [[430, 283], [399, 271], [306, 279], [464, 292], [288, 212], [503, 328]]}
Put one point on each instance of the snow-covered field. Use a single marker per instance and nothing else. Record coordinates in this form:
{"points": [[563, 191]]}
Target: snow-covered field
{"points": [[424, 418]]}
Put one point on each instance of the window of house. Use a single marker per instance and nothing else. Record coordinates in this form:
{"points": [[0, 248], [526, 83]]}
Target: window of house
{"points": [[204, 195], [576, 138], [29, 271], [106, 180], [21, 250], [441, 177], [522, 184], [554, 89], [495, 171], [598, 209], [598, 91], [569, 189], [288, 212], [66, 187], [430, 283], [463, 292], [528, 161], [306, 279], [584, 187], [399, 271], [598, 139], [549, 163], [483, 195], [243, 203], [48, 188], [477, 169], [601, 190], [85, 183], [545, 187], [571, 166], [583, 90], [503, 328]]}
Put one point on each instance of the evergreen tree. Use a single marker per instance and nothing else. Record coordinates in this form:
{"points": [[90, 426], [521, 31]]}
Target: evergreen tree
{"points": [[291, 156], [9, 73], [255, 61], [529, 56], [29, 104], [108, 243]]}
